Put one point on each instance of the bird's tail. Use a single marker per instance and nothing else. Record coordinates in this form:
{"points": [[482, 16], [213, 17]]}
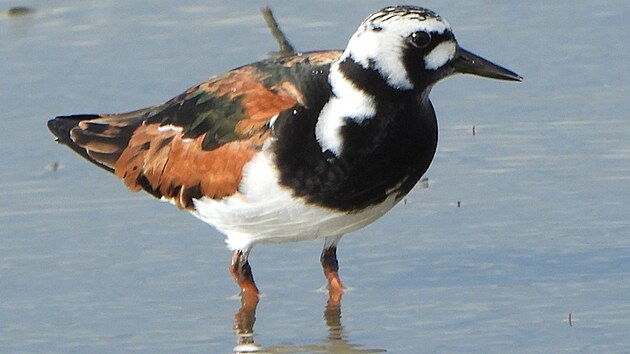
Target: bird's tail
{"points": [[100, 139]]}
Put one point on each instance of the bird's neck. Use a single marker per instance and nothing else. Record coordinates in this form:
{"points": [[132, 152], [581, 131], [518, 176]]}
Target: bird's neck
{"points": [[359, 95]]}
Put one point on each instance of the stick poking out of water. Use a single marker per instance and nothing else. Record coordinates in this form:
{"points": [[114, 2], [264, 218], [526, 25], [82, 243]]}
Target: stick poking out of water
{"points": [[285, 47]]}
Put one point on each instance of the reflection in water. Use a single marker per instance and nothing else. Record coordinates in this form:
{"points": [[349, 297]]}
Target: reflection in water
{"points": [[336, 342], [244, 323]]}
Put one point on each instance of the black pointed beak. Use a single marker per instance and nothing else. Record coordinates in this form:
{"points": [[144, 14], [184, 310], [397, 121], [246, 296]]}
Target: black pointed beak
{"points": [[468, 63]]}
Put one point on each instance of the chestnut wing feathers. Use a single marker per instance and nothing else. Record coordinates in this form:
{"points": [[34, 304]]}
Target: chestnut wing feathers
{"points": [[197, 143]]}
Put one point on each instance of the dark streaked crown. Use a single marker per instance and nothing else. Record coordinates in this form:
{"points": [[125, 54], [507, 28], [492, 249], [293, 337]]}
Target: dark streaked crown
{"points": [[405, 11]]}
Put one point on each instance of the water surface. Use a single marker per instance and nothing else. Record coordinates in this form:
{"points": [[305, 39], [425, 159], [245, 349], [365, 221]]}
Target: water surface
{"points": [[541, 231]]}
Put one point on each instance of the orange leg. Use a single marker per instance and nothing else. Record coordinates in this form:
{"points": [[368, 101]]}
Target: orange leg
{"points": [[242, 272], [331, 268]]}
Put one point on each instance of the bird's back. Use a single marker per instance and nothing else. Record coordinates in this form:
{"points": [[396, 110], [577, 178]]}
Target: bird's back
{"points": [[197, 143]]}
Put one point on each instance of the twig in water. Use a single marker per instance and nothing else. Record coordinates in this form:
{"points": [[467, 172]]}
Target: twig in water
{"points": [[285, 47]]}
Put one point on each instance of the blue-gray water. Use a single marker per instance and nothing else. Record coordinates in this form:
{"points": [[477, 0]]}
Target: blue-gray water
{"points": [[543, 227]]}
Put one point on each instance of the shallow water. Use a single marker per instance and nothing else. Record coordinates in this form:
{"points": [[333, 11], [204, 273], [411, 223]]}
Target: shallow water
{"points": [[542, 228]]}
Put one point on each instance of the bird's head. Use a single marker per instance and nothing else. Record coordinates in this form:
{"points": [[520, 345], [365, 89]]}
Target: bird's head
{"points": [[412, 48]]}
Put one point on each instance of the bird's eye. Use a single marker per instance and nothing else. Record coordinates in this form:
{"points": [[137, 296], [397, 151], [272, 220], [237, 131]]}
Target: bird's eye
{"points": [[420, 39]]}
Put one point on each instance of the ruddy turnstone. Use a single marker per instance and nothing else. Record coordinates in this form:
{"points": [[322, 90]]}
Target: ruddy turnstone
{"points": [[305, 146]]}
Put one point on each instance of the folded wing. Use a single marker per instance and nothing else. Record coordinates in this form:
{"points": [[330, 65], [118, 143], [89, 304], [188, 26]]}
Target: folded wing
{"points": [[193, 145]]}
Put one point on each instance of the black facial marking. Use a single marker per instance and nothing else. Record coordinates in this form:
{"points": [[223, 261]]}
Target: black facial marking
{"points": [[368, 80], [413, 59]]}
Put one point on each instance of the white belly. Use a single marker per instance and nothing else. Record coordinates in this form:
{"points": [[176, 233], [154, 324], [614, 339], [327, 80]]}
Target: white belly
{"points": [[264, 211]]}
